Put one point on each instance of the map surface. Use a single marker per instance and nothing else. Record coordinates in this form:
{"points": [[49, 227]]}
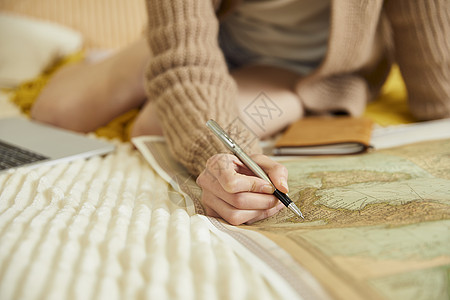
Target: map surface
{"points": [[378, 223], [377, 226]]}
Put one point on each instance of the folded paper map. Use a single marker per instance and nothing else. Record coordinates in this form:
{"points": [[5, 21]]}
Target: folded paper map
{"points": [[377, 225]]}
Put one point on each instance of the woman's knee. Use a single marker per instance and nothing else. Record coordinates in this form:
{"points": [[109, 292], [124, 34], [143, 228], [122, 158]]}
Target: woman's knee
{"points": [[48, 111], [147, 122], [266, 100], [55, 108]]}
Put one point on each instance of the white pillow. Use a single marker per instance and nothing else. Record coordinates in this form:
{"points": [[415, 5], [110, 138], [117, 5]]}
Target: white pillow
{"points": [[28, 47]]}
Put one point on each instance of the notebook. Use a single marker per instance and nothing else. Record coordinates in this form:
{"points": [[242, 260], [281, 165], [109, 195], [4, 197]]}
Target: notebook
{"points": [[29, 143], [325, 136]]}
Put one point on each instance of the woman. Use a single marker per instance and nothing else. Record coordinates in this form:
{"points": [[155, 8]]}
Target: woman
{"points": [[224, 60]]}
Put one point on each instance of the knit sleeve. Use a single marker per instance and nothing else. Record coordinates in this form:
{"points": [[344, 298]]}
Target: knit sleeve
{"points": [[421, 31], [188, 80]]}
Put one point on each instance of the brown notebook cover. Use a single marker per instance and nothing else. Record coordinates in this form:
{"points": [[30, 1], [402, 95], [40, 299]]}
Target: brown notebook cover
{"points": [[325, 136]]}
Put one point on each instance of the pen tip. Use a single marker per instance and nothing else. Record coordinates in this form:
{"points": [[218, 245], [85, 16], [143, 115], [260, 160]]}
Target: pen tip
{"points": [[296, 210]]}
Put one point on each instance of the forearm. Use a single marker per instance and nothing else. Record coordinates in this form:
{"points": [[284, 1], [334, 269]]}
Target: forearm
{"points": [[187, 78]]}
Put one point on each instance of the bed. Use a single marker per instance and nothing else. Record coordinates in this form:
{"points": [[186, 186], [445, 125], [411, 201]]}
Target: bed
{"points": [[112, 227], [106, 228]]}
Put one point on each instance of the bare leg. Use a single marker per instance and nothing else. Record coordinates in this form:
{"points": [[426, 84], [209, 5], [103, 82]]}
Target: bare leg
{"points": [[146, 122], [86, 96], [267, 102], [276, 84]]}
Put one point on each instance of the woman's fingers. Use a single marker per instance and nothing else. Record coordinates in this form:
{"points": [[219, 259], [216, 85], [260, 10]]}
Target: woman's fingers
{"points": [[277, 173], [239, 200], [223, 168], [233, 193], [233, 215], [266, 213], [211, 212]]}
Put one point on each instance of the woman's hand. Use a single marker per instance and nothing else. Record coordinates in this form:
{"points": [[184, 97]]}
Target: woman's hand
{"points": [[231, 191]]}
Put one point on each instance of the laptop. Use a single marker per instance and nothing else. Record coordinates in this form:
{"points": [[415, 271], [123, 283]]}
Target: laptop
{"points": [[29, 143]]}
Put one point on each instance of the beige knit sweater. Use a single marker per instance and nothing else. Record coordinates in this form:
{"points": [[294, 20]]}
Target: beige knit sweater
{"points": [[189, 81]]}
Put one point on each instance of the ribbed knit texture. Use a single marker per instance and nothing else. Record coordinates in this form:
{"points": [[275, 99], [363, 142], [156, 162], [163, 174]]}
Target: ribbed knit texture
{"points": [[188, 79], [422, 49], [338, 84]]}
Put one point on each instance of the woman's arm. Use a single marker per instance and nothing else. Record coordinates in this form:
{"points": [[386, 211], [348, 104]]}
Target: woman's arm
{"points": [[188, 80], [189, 83], [421, 31]]}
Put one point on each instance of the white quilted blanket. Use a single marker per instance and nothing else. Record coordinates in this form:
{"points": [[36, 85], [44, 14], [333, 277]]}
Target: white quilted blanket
{"points": [[110, 228]]}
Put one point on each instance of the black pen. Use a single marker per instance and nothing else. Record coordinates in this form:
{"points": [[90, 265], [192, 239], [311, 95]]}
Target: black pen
{"points": [[246, 160]]}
